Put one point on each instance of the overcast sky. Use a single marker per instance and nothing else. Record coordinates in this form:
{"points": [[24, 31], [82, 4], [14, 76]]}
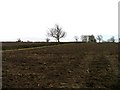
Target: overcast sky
{"points": [[30, 19]]}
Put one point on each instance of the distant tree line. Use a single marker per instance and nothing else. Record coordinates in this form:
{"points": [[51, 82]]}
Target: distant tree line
{"points": [[57, 33], [91, 38]]}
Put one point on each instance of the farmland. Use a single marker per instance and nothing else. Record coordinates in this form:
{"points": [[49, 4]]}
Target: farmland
{"points": [[19, 45], [69, 65]]}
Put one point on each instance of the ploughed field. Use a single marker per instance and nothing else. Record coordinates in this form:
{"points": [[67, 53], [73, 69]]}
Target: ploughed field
{"points": [[19, 45], [73, 65]]}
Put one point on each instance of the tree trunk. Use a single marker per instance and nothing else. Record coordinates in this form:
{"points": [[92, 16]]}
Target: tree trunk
{"points": [[58, 40]]}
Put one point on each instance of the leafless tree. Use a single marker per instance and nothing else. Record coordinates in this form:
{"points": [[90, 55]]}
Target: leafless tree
{"points": [[112, 39], [84, 38], [47, 39], [56, 33], [99, 38], [76, 38], [19, 40]]}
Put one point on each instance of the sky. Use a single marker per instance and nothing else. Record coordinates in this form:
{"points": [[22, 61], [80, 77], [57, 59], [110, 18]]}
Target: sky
{"points": [[31, 19]]}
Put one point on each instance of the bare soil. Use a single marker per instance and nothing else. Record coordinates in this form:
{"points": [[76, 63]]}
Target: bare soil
{"points": [[75, 65]]}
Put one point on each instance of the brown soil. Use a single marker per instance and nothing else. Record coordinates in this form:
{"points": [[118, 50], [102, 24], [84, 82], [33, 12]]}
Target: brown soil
{"points": [[76, 65]]}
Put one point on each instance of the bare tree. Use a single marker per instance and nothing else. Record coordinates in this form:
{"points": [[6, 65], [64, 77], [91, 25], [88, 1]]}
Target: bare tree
{"points": [[84, 38], [19, 40], [56, 33], [112, 39], [76, 38], [47, 39], [99, 38]]}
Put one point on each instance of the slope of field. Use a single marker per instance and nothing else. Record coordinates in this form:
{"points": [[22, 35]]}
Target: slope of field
{"points": [[19, 45], [76, 65]]}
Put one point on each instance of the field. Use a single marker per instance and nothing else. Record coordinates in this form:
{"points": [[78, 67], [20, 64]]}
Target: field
{"points": [[19, 45], [69, 65]]}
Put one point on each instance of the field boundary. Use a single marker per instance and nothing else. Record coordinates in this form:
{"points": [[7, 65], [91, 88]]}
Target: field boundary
{"points": [[34, 47]]}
